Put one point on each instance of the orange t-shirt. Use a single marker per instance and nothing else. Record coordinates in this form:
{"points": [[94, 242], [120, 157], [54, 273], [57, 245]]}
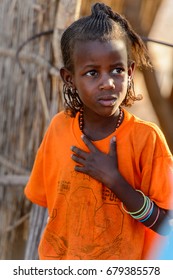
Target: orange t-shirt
{"points": [[86, 220]]}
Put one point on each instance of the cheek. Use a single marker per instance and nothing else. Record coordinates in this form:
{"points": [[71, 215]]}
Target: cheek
{"points": [[85, 91], [85, 97], [122, 85]]}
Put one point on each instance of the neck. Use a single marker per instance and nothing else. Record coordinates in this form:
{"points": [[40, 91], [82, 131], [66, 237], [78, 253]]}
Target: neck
{"points": [[97, 127]]}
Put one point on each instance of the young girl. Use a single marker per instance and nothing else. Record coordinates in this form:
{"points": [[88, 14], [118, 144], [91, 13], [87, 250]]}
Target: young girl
{"points": [[103, 174]]}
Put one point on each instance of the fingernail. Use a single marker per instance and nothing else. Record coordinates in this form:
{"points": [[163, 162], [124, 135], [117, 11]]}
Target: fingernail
{"points": [[114, 138]]}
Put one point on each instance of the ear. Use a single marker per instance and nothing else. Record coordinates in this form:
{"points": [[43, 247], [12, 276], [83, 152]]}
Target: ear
{"points": [[66, 76], [131, 68]]}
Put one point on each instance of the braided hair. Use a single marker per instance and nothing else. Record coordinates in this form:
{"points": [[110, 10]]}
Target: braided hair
{"points": [[103, 24]]}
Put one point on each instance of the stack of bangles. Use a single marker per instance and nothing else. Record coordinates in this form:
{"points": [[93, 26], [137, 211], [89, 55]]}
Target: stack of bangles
{"points": [[145, 212]]}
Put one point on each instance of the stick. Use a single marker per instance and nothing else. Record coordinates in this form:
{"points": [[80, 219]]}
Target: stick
{"points": [[13, 180], [31, 58], [17, 223]]}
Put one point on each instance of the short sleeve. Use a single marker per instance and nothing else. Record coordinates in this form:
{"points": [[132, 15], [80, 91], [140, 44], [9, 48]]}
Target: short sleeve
{"points": [[35, 188], [158, 172], [161, 188]]}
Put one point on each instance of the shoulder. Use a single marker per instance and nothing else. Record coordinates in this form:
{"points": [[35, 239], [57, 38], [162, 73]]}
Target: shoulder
{"points": [[141, 125], [60, 118], [147, 133], [61, 121], [57, 130]]}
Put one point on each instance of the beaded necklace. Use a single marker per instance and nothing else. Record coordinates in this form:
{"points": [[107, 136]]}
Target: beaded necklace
{"points": [[81, 119]]}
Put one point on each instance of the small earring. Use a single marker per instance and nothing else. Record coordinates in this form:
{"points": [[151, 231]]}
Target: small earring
{"points": [[130, 95], [72, 90], [129, 83], [72, 98]]}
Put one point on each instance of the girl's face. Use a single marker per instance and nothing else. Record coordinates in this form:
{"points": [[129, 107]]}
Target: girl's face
{"points": [[100, 75]]}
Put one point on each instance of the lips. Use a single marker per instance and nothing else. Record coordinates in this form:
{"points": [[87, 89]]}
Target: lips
{"points": [[107, 100]]}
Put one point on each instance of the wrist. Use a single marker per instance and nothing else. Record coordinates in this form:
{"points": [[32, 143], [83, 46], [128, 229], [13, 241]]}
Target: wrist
{"points": [[115, 180]]}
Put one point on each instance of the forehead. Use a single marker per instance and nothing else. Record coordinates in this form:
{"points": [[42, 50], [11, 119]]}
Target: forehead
{"points": [[95, 51]]}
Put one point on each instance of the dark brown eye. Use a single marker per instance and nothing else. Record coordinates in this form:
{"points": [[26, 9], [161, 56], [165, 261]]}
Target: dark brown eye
{"points": [[118, 70], [92, 73]]}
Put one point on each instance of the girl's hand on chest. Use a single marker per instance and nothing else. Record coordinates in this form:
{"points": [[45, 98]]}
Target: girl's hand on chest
{"points": [[100, 166]]}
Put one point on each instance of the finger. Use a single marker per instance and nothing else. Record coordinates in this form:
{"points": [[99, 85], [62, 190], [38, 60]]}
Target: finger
{"points": [[112, 149], [80, 169], [78, 159], [88, 143], [79, 152]]}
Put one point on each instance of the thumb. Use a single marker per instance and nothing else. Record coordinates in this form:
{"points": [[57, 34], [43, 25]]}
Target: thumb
{"points": [[113, 146]]}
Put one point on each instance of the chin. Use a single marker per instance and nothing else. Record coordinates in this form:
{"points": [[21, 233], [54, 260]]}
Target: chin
{"points": [[110, 111], [108, 114]]}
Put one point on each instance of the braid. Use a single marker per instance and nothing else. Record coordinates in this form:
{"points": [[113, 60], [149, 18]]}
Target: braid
{"points": [[103, 25], [138, 48]]}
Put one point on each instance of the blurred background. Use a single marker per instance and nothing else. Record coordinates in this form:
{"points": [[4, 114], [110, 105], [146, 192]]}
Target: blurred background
{"points": [[30, 95]]}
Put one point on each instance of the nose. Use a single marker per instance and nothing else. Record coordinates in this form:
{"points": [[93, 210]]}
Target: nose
{"points": [[107, 82]]}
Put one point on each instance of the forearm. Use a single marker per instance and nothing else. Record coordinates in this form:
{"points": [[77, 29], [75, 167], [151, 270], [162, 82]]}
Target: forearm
{"points": [[133, 201]]}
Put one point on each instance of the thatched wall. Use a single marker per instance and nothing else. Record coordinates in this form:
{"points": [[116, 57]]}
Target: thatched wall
{"points": [[25, 108]]}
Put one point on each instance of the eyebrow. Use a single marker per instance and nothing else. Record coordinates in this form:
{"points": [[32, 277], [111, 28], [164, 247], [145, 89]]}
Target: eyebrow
{"points": [[90, 66]]}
